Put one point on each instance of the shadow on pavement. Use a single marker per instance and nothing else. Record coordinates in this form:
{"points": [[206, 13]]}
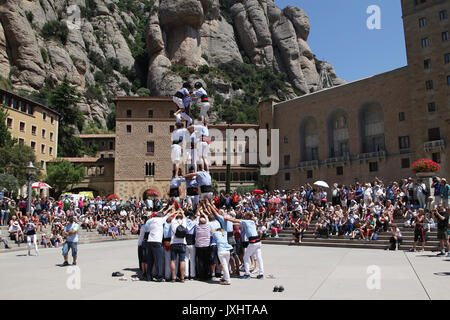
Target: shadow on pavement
{"points": [[442, 273]]}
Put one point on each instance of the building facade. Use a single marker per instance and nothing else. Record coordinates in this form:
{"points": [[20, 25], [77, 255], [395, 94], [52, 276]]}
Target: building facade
{"points": [[374, 127], [33, 125], [103, 143]]}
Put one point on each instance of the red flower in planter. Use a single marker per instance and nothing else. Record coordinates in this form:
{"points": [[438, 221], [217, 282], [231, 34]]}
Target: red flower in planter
{"points": [[425, 165]]}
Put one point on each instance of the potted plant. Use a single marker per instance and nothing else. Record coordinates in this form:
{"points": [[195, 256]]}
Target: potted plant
{"points": [[426, 169]]}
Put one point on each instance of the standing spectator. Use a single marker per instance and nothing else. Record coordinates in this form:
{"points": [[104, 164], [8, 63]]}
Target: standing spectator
{"points": [[419, 232], [178, 244], [445, 190], [71, 234], [437, 192], [421, 191], [202, 247], [191, 224], [441, 215]]}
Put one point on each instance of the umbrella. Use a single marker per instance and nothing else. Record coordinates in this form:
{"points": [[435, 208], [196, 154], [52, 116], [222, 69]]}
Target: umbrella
{"points": [[257, 191], [321, 184], [112, 196], [152, 193], [274, 200], [40, 185]]}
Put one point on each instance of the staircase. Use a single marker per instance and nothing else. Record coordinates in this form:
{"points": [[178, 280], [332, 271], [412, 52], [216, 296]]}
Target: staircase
{"points": [[285, 238], [83, 238]]}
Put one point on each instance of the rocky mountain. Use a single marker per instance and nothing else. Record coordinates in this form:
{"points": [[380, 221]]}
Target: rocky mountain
{"points": [[127, 47]]}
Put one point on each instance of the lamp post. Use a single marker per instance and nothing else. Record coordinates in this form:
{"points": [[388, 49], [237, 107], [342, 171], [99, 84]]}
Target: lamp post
{"points": [[30, 170]]}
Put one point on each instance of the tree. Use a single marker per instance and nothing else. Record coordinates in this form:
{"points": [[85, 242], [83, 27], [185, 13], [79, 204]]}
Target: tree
{"points": [[62, 174], [8, 182], [16, 159], [5, 136]]}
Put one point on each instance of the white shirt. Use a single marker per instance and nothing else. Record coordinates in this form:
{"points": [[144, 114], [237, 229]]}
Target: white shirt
{"points": [[179, 134], [156, 229]]}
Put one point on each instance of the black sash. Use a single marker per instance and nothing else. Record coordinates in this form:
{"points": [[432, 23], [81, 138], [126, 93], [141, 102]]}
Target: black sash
{"points": [[254, 239], [206, 189], [177, 142], [204, 98], [191, 191], [175, 192], [190, 239]]}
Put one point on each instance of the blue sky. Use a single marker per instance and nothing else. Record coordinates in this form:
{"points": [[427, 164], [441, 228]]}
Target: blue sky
{"points": [[339, 34]]}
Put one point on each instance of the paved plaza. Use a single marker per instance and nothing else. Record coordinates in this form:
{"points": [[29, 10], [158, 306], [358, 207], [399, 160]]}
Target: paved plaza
{"points": [[305, 272]]}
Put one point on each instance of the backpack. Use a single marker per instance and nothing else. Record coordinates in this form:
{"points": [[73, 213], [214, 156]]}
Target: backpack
{"points": [[180, 232]]}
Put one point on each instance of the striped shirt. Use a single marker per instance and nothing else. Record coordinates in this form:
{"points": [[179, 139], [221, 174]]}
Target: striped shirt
{"points": [[202, 235]]}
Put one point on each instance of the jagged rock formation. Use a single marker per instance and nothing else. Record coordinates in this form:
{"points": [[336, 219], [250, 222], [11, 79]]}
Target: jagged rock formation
{"points": [[101, 48]]}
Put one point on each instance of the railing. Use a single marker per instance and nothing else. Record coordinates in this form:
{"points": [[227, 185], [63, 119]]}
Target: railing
{"points": [[308, 164], [371, 155], [433, 145], [336, 160]]}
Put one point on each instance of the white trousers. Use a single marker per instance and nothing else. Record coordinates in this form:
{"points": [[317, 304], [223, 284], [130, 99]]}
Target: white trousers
{"points": [[32, 238], [185, 116], [204, 107], [253, 249], [190, 261], [192, 200], [224, 258]]}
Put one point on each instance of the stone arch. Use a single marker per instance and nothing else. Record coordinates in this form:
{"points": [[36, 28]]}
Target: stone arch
{"points": [[338, 133], [309, 139], [371, 127]]}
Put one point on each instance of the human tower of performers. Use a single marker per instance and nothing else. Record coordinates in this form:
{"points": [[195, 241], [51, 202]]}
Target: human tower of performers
{"points": [[188, 240]]}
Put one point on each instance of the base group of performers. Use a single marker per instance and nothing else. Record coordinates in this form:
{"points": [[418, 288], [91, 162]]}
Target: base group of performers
{"points": [[190, 238]]}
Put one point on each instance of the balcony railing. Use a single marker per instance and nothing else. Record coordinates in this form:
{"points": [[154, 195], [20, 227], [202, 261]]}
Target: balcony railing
{"points": [[371, 155], [337, 160], [434, 145], [312, 164]]}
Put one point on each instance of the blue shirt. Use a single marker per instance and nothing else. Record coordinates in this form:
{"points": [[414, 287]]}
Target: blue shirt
{"points": [[167, 231], [222, 242], [226, 225], [437, 188], [190, 226], [191, 183], [213, 226], [203, 178], [176, 182], [147, 226], [250, 228], [72, 227]]}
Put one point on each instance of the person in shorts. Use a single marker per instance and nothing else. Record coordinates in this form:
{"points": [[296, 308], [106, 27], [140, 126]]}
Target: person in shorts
{"points": [[178, 245], [440, 215], [71, 234]]}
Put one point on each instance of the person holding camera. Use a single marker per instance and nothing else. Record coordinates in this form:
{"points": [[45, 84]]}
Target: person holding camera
{"points": [[441, 215], [71, 234]]}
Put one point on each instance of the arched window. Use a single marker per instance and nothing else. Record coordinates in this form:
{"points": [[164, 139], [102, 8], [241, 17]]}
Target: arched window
{"points": [[371, 127], [338, 136], [309, 139]]}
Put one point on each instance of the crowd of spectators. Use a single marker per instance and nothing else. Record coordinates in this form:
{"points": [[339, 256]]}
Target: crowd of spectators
{"points": [[357, 211]]}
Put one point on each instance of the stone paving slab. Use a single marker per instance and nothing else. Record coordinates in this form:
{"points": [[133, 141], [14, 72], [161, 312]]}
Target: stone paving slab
{"points": [[305, 272]]}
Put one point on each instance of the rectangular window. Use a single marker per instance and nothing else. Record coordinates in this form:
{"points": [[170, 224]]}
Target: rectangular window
{"points": [[22, 126], [111, 155], [286, 139], [50, 151], [447, 58], [43, 164], [436, 157], [51, 136], [21, 141], [129, 128], [7, 101], [443, 15], [434, 134], [9, 123], [23, 107], [429, 85], [309, 174], [405, 163], [43, 133], [403, 142], [287, 176], [422, 22], [42, 148], [448, 80], [150, 147], [29, 109], [287, 160], [373, 166], [432, 107], [401, 116], [52, 119], [111, 145], [129, 113], [33, 130], [14, 103], [33, 145], [425, 42], [427, 64], [445, 36], [339, 171], [149, 169], [150, 129], [44, 116], [150, 113]]}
